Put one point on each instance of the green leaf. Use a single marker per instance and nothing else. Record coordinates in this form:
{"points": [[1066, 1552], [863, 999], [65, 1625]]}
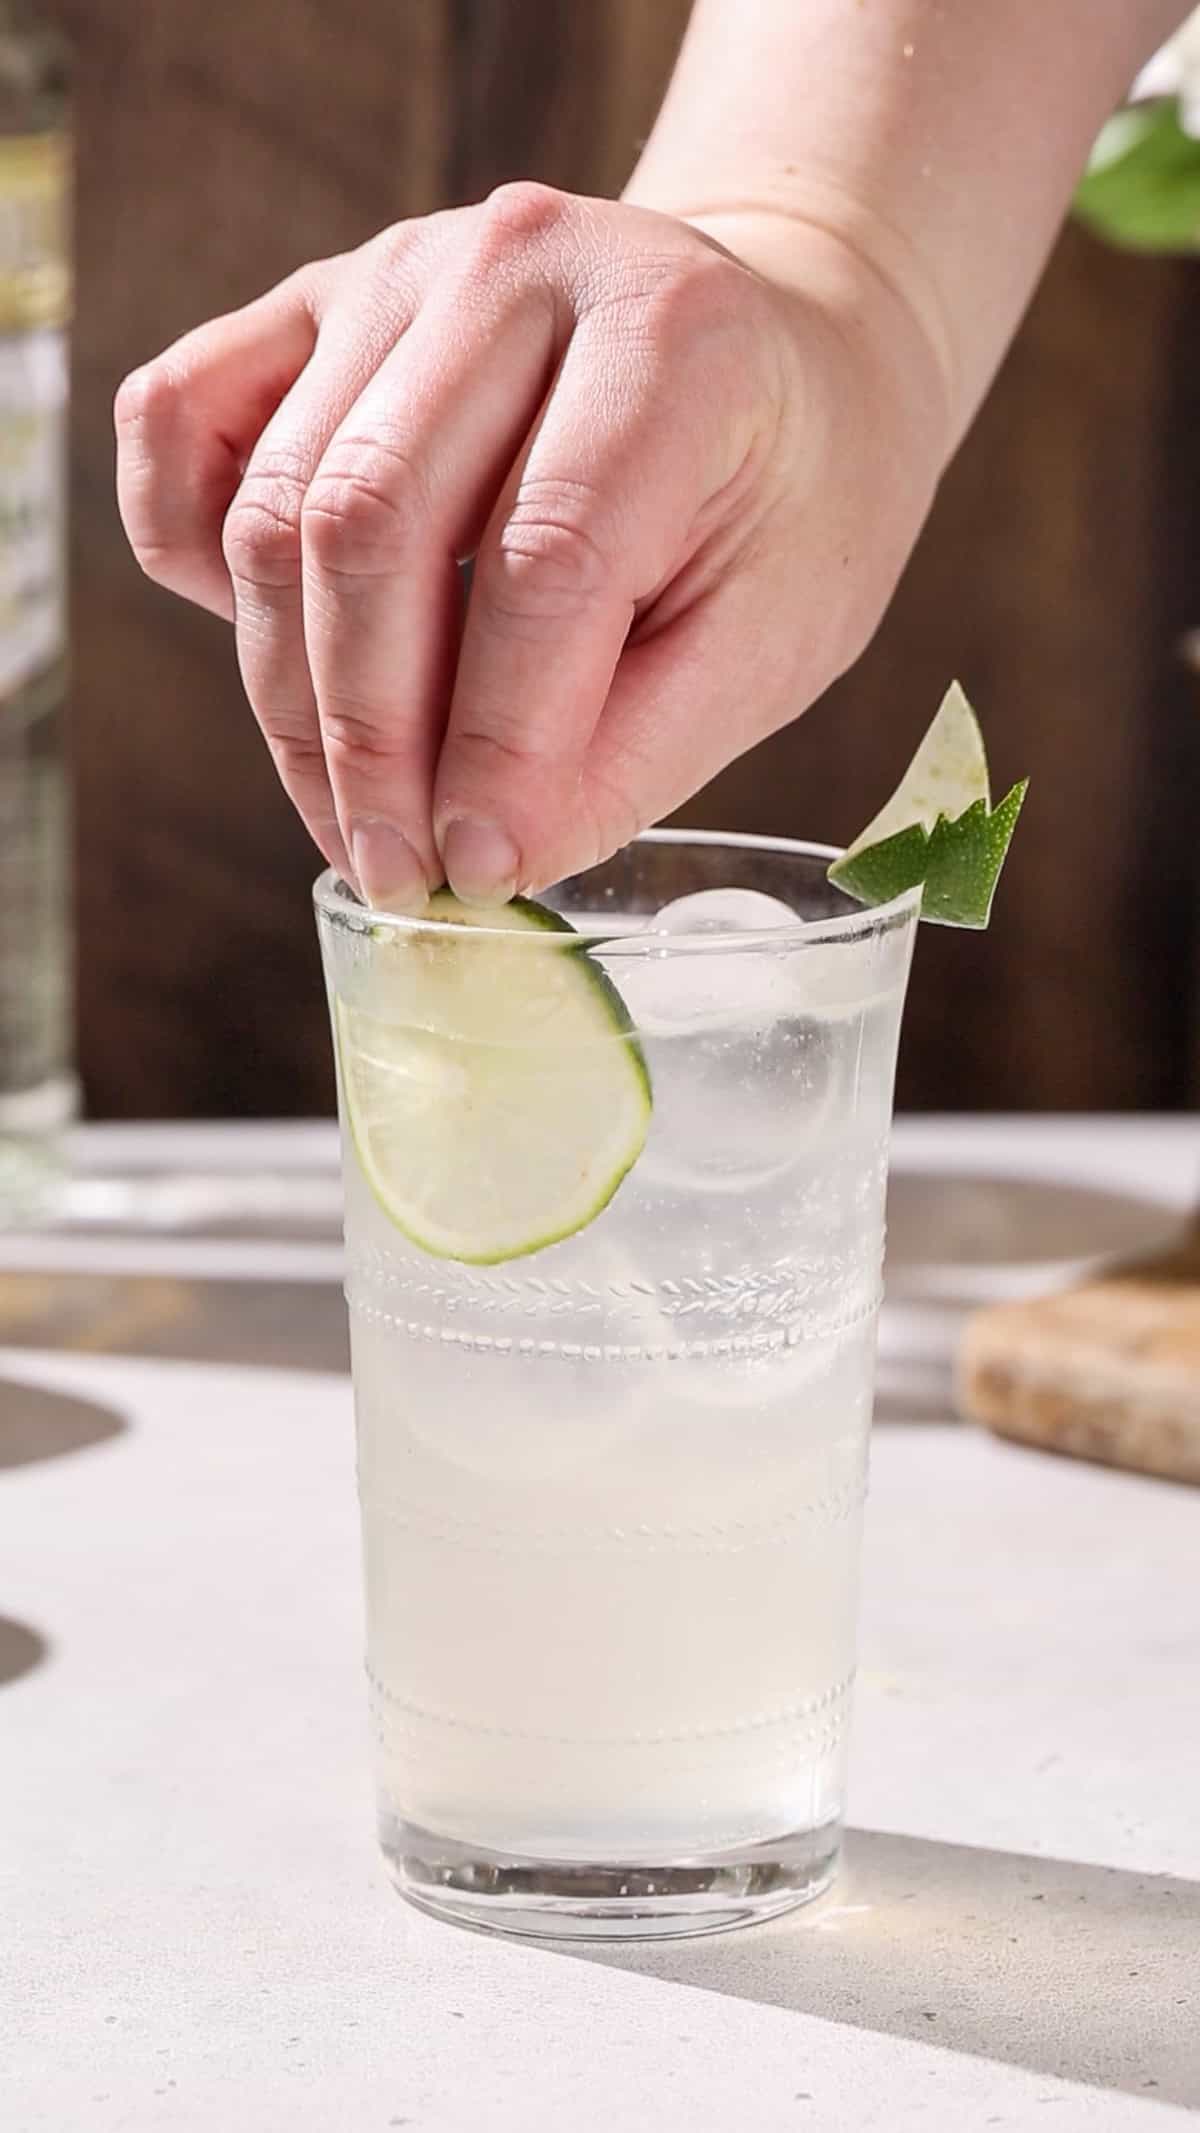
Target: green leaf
{"points": [[1141, 188], [956, 864]]}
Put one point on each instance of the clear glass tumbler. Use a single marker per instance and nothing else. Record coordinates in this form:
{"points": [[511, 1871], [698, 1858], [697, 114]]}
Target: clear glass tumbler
{"points": [[612, 1490]]}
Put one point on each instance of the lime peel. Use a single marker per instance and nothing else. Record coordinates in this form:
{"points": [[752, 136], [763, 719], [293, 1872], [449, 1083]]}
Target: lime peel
{"points": [[939, 831]]}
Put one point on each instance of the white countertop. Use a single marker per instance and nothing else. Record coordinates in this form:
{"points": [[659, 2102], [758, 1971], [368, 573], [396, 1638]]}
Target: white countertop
{"points": [[196, 1934]]}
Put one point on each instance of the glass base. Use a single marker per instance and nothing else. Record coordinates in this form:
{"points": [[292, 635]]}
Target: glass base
{"points": [[536, 1899]]}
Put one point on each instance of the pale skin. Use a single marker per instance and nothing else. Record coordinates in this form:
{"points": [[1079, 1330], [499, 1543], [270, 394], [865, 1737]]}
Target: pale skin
{"points": [[690, 438]]}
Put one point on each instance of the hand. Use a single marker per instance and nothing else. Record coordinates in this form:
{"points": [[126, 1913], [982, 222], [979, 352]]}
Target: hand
{"points": [[688, 485]]}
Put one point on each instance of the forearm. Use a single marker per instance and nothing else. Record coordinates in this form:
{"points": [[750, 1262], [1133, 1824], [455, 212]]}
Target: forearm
{"points": [[937, 142]]}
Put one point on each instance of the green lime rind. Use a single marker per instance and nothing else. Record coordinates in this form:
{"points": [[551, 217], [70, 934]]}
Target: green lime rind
{"points": [[623, 1022], [956, 864], [484, 1153], [540, 915]]}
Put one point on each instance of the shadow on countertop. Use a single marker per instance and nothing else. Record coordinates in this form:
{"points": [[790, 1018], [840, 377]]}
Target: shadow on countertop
{"points": [[21, 1649], [284, 1325], [953, 1235], [40, 1422], [1084, 1973]]}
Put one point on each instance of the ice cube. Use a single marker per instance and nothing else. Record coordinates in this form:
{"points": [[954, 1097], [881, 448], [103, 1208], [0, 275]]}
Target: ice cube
{"points": [[742, 1082], [737, 1107], [724, 911], [692, 985]]}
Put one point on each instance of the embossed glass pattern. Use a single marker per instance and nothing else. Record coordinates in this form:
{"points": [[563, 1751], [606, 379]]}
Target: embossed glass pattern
{"points": [[611, 1493]]}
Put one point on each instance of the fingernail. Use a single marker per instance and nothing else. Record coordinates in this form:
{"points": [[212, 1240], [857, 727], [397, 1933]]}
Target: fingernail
{"points": [[481, 860], [389, 872]]}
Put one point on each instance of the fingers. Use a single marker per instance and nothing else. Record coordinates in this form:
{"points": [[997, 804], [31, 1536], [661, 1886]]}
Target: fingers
{"points": [[584, 411], [401, 491], [262, 546], [609, 502], [262, 537], [186, 424]]}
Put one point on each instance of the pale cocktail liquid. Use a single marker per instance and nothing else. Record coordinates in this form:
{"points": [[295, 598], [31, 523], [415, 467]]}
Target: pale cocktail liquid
{"points": [[612, 1493]]}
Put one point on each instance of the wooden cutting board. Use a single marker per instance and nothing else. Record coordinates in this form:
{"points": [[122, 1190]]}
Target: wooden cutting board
{"points": [[1109, 1370]]}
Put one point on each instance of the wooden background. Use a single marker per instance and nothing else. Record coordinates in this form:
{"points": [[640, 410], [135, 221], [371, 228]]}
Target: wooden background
{"points": [[223, 141]]}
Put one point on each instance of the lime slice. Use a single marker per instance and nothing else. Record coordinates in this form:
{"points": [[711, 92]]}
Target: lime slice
{"points": [[939, 831], [494, 1089]]}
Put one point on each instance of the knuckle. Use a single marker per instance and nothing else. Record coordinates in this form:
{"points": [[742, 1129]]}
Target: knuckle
{"points": [[524, 210], [392, 248], [297, 751], [701, 296], [294, 742], [548, 565], [261, 543], [145, 398], [502, 744], [383, 278], [363, 509], [260, 539], [355, 744]]}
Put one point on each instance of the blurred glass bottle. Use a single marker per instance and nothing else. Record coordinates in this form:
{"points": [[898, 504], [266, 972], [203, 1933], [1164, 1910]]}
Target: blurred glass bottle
{"points": [[37, 1086]]}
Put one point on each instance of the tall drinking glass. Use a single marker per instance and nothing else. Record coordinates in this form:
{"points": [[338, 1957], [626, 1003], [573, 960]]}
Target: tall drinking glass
{"points": [[612, 1490]]}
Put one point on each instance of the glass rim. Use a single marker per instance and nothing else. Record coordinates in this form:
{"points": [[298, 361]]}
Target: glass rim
{"points": [[335, 901]]}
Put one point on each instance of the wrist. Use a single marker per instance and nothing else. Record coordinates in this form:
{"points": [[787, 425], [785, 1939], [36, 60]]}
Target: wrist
{"points": [[937, 146], [851, 270]]}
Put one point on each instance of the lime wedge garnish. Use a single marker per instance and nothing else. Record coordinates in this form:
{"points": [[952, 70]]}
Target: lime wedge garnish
{"points": [[939, 831], [494, 1089]]}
